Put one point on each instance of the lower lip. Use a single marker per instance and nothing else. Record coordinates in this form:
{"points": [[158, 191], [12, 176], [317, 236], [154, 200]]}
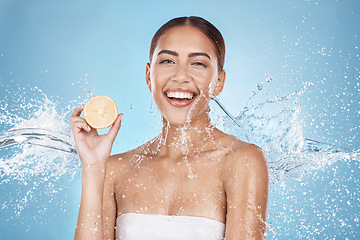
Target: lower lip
{"points": [[179, 103]]}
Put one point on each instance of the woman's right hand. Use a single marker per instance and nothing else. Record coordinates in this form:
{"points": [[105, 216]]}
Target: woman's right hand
{"points": [[93, 149]]}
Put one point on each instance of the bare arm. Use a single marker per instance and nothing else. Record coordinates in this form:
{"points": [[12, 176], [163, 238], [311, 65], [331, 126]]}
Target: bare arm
{"points": [[89, 224], [246, 187], [94, 152], [109, 205]]}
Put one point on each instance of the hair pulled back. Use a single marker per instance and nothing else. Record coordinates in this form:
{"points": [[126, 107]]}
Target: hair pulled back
{"points": [[201, 24]]}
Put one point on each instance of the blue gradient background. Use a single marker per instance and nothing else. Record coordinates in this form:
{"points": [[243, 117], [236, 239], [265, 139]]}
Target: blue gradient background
{"points": [[104, 45]]}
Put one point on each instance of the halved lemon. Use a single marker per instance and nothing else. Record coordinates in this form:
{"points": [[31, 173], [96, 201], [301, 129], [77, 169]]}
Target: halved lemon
{"points": [[100, 112]]}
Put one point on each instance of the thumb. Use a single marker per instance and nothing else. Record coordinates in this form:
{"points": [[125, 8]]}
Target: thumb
{"points": [[115, 127]]}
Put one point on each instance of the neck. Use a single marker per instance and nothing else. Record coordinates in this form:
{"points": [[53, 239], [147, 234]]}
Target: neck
{"points": [[180, 140]]}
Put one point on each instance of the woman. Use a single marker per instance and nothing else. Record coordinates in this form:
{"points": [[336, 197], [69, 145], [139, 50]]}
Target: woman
{"points": [[190, 182]]}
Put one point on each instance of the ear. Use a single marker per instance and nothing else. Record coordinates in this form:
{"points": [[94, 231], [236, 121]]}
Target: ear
{"points": [[220, 83], [147, 72]]}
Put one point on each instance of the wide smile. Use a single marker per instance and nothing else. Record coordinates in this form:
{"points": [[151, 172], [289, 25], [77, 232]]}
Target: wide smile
{"points": [[180, 97]]}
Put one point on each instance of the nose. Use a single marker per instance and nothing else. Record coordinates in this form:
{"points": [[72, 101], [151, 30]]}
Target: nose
{"points": [[181, 74]]}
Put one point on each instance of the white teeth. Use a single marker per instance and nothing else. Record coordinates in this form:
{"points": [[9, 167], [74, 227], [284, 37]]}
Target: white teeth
{"points": [[180, 95]]}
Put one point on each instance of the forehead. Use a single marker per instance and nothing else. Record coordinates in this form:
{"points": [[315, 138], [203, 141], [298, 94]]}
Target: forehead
{"points": [[185, 38]]}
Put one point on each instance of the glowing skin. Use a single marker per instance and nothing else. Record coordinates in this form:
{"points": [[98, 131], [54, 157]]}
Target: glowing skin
{"points": [[187, 68], [190, 169]]}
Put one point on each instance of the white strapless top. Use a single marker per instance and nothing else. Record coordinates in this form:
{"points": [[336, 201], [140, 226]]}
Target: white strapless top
{"points": [[136, 226]]}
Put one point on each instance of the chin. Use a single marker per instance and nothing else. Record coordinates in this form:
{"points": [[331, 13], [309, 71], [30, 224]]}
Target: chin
{"points": [[181, 116]]}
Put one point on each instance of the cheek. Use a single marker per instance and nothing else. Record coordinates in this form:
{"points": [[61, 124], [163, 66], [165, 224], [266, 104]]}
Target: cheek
{"points": [[157, 87], [212, 85], [155, 82], [208, 84]]}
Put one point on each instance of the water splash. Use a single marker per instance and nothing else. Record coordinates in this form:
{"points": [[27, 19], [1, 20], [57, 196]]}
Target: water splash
{"points": [[230, 116], [40, 137], [37, 149], [314, 184], [280, 135]]}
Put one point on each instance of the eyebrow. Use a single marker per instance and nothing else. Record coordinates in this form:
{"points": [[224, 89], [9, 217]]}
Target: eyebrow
{"points": [[168, 52], [194, 54]]}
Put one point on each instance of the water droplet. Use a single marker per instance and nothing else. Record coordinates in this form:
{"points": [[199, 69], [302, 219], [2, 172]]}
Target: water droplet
{"points": [[259, 87]]}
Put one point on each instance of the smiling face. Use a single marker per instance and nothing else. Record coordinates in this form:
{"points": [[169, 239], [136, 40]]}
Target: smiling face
{"points": [[183, 74]]}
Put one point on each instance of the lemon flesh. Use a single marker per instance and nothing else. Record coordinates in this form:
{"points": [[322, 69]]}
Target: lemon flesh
{"points": [[100, 112]]}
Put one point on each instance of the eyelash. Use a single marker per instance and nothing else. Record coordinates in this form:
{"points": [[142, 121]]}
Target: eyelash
{"points": [[199, 64], [168, 61]]}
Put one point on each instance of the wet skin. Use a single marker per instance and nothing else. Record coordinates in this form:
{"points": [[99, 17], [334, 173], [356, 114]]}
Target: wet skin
{"points": [[191, 168], [181, 63]]}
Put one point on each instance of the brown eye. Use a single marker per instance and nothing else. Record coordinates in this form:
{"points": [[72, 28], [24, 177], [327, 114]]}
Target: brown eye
{"points": [[199, 64], [166, 61]]}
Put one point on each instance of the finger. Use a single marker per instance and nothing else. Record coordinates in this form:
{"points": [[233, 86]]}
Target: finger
{"points": [[80, 124], [77, 111], [115, 127], [74, 119]]}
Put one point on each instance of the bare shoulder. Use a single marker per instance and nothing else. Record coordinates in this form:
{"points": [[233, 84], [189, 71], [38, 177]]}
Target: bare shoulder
{"points": [[247, 152], [241, 151], [245, 159], [246, 183], [118, 167], [123, 161]]}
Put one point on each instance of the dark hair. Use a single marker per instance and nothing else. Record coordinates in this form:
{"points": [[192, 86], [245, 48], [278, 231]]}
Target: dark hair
{"points": [[204, 26]]}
